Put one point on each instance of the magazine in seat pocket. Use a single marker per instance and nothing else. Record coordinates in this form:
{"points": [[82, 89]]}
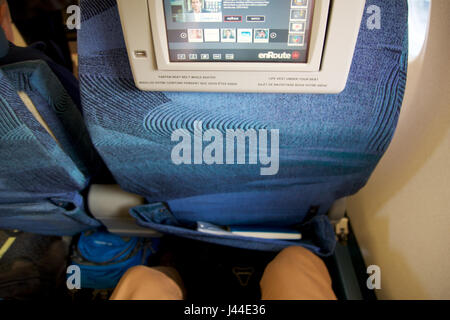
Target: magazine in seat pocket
{"points": [[317, 232]]}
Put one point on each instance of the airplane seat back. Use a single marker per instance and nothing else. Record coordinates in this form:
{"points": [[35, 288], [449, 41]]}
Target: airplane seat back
{"points": [[45, 152], [312, 149]]}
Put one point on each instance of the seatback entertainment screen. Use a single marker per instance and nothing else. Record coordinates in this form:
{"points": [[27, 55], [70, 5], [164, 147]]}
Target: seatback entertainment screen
{"points": [[239, 30], [282, 46]]}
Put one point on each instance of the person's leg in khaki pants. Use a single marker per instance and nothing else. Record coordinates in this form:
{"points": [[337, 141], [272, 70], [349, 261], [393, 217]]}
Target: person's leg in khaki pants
{"points": [[144, 283], [294, 274]]}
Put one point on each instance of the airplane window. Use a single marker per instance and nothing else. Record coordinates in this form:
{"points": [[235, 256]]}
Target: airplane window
{"points": [[419, 15]]}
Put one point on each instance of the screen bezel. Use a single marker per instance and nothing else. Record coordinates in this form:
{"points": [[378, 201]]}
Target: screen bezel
{"points": [[316, 46]]}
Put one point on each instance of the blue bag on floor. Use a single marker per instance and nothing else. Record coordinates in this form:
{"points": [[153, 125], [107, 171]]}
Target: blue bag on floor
{"points": [[104, 257]]}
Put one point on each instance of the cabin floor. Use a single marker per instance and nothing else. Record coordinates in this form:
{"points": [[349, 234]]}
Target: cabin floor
{"points": [[34, 267]]}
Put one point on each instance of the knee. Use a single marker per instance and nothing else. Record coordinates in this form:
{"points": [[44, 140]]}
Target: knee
{"points": [[293, 258], [144, 283], [136, 274], [136, 271], [296, 253], [294, 250]]}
